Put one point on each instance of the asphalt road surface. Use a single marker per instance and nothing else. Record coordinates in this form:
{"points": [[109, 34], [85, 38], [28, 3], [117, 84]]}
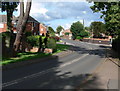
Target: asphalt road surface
{"points": [[66, 72]]}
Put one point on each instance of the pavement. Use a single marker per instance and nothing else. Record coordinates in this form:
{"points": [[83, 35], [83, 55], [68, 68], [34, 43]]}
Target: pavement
{"points": [[85, 67], [105, 77]]}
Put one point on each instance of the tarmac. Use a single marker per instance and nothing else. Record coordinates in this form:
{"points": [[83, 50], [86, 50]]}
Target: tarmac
{"points": [[105, 77]]}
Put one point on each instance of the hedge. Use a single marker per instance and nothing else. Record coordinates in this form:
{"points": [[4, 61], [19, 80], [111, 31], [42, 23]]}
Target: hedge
{"points": [[116, 45]]}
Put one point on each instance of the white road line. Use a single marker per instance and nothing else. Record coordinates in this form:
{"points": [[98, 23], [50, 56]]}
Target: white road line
{"points": [[40, 73], [73, 61]]}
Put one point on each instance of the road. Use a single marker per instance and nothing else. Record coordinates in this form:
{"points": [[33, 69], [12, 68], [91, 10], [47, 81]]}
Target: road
{"points": [[66, 72]]}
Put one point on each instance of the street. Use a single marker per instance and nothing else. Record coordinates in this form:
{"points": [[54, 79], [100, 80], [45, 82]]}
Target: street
{"points": [[66, 72]]}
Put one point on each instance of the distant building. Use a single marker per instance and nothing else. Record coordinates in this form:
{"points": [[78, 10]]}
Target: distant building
{"points": [[32, 25], [67, 33]]}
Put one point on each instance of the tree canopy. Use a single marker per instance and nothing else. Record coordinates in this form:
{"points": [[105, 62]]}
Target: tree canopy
{"points": [[76, 28], [59, 29], [97, 28], [111, 13], [51, 31], [9, 7]]}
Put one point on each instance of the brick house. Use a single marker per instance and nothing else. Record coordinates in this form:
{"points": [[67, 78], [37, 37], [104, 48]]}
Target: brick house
{"points": [[3, 23], [42, 29], [32, 25]]}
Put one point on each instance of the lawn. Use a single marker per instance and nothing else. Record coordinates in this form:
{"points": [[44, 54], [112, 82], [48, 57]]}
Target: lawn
{"points": [[32, 55]]}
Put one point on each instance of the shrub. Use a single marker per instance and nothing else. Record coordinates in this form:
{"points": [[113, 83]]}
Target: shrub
{"points": [[28, 34], [51, 43], [78, 37], [33, 40]]}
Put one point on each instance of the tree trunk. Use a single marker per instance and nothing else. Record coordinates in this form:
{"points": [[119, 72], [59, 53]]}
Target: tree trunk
{"points": [[21, 15], [22, 27]]}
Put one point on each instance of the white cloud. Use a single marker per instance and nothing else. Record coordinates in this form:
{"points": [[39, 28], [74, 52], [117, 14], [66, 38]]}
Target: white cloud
{"points": [[67, 26], [38, 8], [84, 12]]}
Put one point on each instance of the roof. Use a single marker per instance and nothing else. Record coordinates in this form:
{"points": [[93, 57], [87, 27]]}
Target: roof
{"points": [[31, 19], [3, 19]]}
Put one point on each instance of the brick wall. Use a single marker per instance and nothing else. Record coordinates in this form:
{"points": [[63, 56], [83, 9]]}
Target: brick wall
{"points": [[3, 27], [42, 29]]}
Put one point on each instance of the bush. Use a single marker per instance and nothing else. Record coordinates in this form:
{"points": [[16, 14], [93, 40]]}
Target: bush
{"points": [[28, 33], [33, 40], [78, 37], [51, 43]]}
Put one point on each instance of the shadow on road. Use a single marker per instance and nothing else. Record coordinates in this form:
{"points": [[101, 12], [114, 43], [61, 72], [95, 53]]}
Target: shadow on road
{"points": [[45, 75], [98, 51]]}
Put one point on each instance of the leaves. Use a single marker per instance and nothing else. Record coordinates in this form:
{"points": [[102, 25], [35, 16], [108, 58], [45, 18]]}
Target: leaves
{"points": [[110, 13], [59, 29]]}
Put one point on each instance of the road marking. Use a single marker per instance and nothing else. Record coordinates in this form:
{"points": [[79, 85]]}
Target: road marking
{"points": [[40, 73], [73, 61]]}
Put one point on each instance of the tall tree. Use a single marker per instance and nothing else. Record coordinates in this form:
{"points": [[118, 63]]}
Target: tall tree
{"points": [[9, 7], [19, 23], [111, 13], [51, 31], [97, 28], [21, 28], [76, 28], [59, 29]]}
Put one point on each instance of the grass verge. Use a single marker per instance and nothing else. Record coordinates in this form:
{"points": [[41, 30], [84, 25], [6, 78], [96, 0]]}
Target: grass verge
{"points": [[32, 55]]}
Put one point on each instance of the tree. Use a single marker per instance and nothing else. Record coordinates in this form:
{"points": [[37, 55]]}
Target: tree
{"points": [[83, 34], [9, 7], [76, 28], [97, 28], [111, 14], [21, 28], [51, 31], [59, 29]]}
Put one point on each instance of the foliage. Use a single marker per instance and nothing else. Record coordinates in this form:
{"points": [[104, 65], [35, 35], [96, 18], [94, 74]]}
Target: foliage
{"points": [[31, 55], [111, 14], [76, 28], [78, 37], [9, 7], [97, 28], [84, 34], [33, 40], [51, 43], [87, 28], [59, 29], [51, 30], [28, 33], [67, 33]]}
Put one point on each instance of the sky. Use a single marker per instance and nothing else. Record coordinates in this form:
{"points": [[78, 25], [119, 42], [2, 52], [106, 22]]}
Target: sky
{"points": [[62, 13]]}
